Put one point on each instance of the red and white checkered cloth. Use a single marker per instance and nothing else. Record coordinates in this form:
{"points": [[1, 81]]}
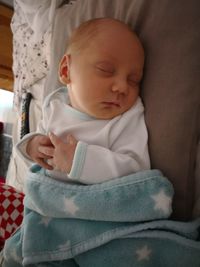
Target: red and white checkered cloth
{"points": [[11, 210]]}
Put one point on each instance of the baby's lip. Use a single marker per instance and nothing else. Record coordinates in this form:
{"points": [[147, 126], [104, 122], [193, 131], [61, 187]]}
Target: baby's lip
{"points": [[111, 103]]}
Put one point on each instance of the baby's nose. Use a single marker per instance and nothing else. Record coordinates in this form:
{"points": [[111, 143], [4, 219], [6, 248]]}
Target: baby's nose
{"points": [[121, 86]]}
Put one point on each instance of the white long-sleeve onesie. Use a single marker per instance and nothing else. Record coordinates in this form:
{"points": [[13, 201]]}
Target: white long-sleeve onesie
{"points": [[106, 149]]}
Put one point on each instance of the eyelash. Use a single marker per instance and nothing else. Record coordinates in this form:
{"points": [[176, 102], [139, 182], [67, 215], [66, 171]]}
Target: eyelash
{"points": [[104, 70], [131, 82]]}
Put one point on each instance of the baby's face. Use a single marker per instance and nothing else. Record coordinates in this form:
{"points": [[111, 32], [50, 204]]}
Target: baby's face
{"points": [[105, 76]]}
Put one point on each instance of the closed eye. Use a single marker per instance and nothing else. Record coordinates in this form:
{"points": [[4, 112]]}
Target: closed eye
{"points": [[105, 67], [133, 82], [104, 70]]}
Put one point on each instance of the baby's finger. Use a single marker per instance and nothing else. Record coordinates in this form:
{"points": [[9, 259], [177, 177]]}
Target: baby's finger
{"points": [[44, 164], [54, 139], [48, 151], [71, 139], [43, 156], [50, 162], [45, 140]]}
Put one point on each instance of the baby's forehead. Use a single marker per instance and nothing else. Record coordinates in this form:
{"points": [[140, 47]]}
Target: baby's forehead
{"points": [[96, 27], [100, 31], [111, 26]]}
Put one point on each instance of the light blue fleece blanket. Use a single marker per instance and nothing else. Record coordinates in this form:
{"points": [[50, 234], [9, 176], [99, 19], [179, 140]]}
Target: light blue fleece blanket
{"points": [[122, 222]]}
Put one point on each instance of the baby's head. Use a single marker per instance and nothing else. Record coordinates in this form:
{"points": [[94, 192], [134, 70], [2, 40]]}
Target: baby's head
{"points": [[102, 68]]}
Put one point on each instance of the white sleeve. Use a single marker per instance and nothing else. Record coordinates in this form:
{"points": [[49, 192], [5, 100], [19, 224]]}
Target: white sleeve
{"points": [[128, 152], [42, 128], [22, 144]]}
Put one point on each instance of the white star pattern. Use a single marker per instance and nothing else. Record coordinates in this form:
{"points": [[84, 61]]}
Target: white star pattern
{"points": [[162, 202], [143, 253], [45, 221], [70, 206]]}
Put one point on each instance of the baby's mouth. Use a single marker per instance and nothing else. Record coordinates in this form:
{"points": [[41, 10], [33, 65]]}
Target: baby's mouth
{"points": [[111, 104]]}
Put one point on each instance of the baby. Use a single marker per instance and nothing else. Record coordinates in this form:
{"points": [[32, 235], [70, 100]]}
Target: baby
{"points": [[93, 129]]}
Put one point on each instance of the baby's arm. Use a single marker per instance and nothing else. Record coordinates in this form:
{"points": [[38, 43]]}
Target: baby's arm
{"points": [[95, 164], [125, 152]]}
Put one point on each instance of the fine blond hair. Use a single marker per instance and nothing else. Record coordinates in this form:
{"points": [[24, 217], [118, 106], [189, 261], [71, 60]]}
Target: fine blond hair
{"points": [[88, 30]]}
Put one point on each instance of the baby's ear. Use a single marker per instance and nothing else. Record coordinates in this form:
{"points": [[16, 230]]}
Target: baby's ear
{"points": [[64, 69]]}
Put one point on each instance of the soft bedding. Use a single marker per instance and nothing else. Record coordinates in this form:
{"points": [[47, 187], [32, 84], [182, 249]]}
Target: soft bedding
{"points": [[125, 219]]}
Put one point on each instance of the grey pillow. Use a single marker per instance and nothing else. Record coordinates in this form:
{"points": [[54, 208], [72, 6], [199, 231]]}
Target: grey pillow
{"points": [[169, 31], [171, 92]]}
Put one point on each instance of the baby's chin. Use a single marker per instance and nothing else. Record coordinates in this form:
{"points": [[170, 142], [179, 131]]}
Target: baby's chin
{"points": [[106, 114]]}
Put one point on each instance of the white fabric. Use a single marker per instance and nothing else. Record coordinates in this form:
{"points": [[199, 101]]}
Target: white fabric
{"points": [[113, 148], [39, 15], [31, 44]]}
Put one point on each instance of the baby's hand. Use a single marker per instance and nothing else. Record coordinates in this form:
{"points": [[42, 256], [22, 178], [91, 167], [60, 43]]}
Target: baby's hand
{"points": [[36, 150], [62, 154]]}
